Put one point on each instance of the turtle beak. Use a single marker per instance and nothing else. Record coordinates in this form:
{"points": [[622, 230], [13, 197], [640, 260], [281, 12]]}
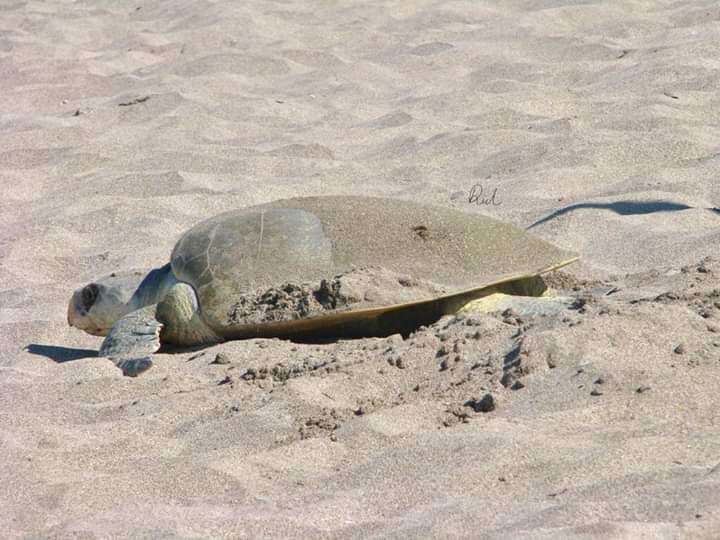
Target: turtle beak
{"points": [[78, 317], [70, 312], [73, 310]]}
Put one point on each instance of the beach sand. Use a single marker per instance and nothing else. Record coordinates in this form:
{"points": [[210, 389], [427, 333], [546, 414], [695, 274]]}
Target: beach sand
{"points": [[595, 124]]}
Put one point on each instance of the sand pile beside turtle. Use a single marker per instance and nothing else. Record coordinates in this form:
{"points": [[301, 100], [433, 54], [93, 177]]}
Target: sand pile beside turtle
{"points": [[463, 358]]}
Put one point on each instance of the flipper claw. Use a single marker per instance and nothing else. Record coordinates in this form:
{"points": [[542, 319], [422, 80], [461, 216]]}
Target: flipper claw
{"points": [[132, 367], [132, 340]]}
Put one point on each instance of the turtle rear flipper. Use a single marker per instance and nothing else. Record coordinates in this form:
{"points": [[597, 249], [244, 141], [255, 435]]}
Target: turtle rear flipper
{"points": [[524, 306], [132, 340]]}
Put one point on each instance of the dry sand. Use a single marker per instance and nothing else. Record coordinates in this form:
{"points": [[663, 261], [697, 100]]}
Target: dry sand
{"points": [[122, 124]]}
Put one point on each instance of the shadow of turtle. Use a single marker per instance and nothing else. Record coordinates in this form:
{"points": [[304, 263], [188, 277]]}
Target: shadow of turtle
{"points": [[60, 354], [624, 208]]}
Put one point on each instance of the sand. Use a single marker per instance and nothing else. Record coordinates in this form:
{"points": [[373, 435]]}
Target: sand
{"points": [[594, 124]]}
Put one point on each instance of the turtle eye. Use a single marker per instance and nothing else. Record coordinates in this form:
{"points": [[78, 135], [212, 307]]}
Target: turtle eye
{"points": [[88, 295]]}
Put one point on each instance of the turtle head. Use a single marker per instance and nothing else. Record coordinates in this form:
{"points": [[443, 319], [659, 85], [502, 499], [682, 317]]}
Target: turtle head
{"points": [[95, 307]]}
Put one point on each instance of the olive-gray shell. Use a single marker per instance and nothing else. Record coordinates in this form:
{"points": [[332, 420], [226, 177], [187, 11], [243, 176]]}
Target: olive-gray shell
{"points": [[313, 238]]}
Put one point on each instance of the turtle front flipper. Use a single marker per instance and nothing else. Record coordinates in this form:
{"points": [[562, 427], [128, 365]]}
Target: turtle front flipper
{"points": [[132, 340], [181, 318]]}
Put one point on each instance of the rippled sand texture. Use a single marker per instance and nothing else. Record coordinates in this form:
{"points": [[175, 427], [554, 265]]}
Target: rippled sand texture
{"points": [[594, 123]]}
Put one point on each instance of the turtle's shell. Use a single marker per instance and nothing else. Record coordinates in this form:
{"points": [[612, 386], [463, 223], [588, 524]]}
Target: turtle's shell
{"points": [[309, 239]]}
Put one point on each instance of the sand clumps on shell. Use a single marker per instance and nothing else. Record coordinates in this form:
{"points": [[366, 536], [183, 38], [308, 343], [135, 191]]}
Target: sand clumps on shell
{"points": [[350, 290]]}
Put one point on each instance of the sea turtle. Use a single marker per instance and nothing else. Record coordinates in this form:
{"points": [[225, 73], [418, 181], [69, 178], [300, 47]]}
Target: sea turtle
{"points": [[313, 267]]}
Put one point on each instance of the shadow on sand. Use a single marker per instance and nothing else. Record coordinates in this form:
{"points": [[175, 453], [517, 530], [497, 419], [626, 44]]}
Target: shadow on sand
{"points": [[60, 354], [624, 208]]}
